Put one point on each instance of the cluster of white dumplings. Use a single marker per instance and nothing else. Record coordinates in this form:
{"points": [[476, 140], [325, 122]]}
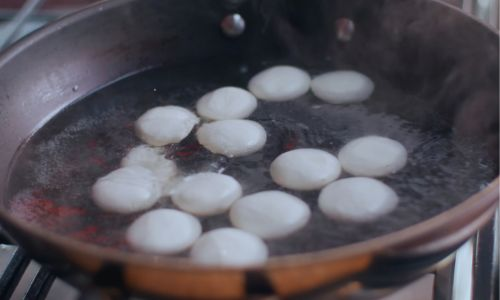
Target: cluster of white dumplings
{"points": [[355, 199], [146, 175]]}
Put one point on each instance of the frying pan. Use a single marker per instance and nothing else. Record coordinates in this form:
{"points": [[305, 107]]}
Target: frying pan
{"points": [[436, 73]]}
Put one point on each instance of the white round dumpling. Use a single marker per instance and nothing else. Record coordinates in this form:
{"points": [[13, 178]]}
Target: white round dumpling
{"points": [[163, 231], [229, 247], [372, 156], [357, 199], [305, 169], [270, 214], [164, 125], [232, 137], [342, 87], [154, 160], [126, 190], [206, 194], [226, 103], [280, 83]]}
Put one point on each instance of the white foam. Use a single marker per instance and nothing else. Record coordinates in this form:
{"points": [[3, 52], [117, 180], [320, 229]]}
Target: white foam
{"points": [[152, 158]]}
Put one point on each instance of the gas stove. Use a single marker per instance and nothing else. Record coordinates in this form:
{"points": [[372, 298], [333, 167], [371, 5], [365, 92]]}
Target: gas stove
{"points": [[469, 273]]}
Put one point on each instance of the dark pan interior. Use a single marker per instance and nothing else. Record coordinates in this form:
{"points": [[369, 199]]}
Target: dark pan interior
{"points": [[435, 93], [55, 172]]}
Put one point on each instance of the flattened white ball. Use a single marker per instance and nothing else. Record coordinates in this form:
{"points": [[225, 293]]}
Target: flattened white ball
{"points": [[357, 199], [280, 83], [305, 169], [232, 137], [226, 103], [164, 125], [342, 87], [126, 190], [229, 247], [270, 214], [206, 194], [152, 159], [372, 156], [163, 231]]}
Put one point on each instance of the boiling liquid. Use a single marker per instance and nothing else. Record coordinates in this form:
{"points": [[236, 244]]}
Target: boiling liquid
{"points": [[53, 175]]}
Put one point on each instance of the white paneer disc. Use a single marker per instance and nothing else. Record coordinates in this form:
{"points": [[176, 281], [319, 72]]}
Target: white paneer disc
{"points": [[372, 156], [305, 169], [206, 194], [163, 231], [270, 214], [226, 103], [164, 125], [229, 247], [357, 199], [232, 137], [153, 159], [280, 83], [342, 87], [126, 190]]}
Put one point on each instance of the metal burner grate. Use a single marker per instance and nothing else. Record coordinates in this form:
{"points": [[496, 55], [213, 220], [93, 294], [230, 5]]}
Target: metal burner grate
{"points": [[22, 278]]}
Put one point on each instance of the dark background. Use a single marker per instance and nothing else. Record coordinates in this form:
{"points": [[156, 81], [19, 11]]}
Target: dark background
{"points": [[49, 4]]}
